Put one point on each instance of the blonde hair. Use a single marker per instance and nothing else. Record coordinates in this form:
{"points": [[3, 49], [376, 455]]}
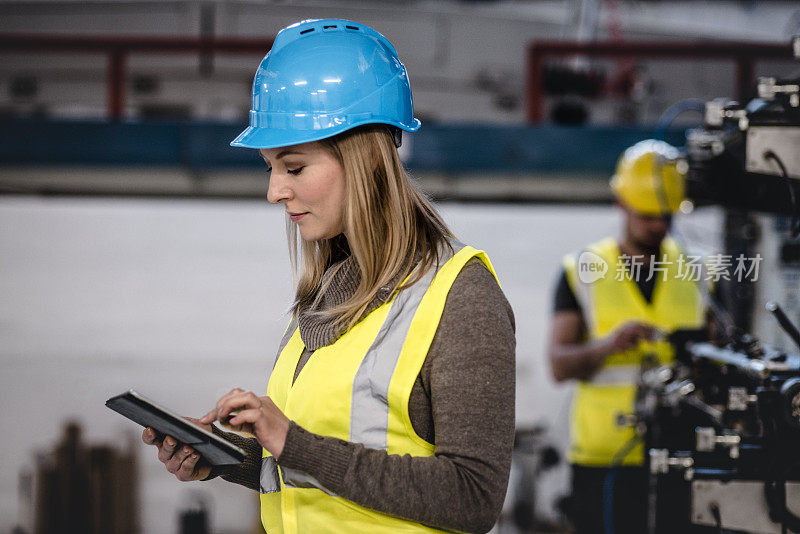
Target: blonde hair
{"points": [[389, 223]]}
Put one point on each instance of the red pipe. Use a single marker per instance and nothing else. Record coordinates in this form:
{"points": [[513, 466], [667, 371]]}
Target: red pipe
{"points": [[534, 83], [118, 49], [115, 85]]}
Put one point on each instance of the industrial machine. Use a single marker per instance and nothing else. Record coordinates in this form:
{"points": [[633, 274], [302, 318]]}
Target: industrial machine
{"points": [[722, 423], [722, 430]]}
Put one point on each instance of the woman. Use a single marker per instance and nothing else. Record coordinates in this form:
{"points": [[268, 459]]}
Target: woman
{"points": [[390, 407]]}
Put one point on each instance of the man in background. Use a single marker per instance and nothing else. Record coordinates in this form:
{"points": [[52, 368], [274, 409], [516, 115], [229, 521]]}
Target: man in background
{"points": [[615, 302]]}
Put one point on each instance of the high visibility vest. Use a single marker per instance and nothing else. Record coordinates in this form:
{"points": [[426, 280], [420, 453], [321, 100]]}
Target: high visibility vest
{"points": [[356, 389], [607, 301]]}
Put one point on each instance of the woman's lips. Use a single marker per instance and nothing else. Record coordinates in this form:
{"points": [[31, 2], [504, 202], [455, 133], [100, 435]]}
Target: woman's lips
{"points": [[297, 216]]}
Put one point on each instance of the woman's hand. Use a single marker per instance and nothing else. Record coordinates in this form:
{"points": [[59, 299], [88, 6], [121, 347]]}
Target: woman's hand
{"points": [[180, 460], [244, 411]]}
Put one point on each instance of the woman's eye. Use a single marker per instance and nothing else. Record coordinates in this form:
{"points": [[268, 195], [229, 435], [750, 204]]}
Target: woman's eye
{"points": [[295, 171]]}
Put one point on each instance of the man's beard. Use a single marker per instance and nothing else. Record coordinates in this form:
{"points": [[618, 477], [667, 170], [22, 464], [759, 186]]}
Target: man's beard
{"points": [[645, 248]]}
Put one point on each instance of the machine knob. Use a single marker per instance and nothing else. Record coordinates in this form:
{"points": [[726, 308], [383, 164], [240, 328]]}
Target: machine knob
{"points": [[707, 440], [661, 461], [790, 391]]}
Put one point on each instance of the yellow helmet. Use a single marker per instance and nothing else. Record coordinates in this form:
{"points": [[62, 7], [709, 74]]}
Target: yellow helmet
{"points": [[650, 178]]}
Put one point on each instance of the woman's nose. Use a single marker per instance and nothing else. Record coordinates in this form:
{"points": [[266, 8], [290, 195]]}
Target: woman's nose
{"points": [[277, 190]]}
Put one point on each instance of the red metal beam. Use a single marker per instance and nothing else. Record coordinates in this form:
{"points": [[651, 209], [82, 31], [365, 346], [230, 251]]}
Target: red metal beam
{"points": [[115, 86], [118, 49], [743, 53]]}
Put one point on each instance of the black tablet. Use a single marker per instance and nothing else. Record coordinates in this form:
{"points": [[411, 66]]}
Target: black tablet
{"points": [[213, 449]]}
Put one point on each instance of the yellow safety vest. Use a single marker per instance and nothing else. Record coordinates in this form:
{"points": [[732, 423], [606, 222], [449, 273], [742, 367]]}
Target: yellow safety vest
{"points": [[607, 301], [356, 389]]}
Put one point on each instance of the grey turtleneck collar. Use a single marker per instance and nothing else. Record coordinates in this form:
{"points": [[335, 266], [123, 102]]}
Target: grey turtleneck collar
{"points": [[342, 277], [317, 331]]}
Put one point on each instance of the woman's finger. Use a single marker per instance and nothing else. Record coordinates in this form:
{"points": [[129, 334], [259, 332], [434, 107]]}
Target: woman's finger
{"points": [[244, 421], [149, 436], [242, 401], [246, 416], [231, 393], [213, 415], [210, 417], [174, 464], [188, 469], [167, 449]]}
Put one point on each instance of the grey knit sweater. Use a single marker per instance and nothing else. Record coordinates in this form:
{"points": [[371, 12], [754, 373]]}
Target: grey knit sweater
{"points": [[462, 402]]}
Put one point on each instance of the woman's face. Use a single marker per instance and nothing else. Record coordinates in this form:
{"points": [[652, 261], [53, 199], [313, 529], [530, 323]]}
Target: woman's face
{"points": [[310, 182]]}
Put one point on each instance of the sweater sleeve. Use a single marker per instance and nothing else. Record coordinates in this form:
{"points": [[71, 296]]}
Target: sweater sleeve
{"points": [[470, 371], [248, 473]]}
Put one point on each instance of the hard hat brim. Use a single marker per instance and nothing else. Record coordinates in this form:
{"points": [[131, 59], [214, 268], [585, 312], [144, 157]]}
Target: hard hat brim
{"points": [[253, 137]]}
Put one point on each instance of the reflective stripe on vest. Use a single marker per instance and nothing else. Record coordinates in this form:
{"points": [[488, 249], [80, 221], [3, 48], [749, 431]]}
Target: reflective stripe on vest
{"points": [[616, 374], [366, 374], [369, 414], [607, 302], [269, 480]]}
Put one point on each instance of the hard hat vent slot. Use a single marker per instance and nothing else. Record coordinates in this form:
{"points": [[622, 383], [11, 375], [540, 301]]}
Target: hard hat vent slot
{"points": [[330, 27], [352, 27], [307, 31]]}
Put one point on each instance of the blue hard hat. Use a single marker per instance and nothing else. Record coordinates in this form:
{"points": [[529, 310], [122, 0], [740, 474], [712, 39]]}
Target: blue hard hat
{"points": [[323, 77]]}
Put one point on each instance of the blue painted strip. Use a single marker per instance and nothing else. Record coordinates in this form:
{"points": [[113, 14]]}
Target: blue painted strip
{"points": [[521, 148], [203, 145], [188, 144]]}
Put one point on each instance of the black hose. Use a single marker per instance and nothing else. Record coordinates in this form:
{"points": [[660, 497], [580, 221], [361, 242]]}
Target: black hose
{"points": [[795, 223]]}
